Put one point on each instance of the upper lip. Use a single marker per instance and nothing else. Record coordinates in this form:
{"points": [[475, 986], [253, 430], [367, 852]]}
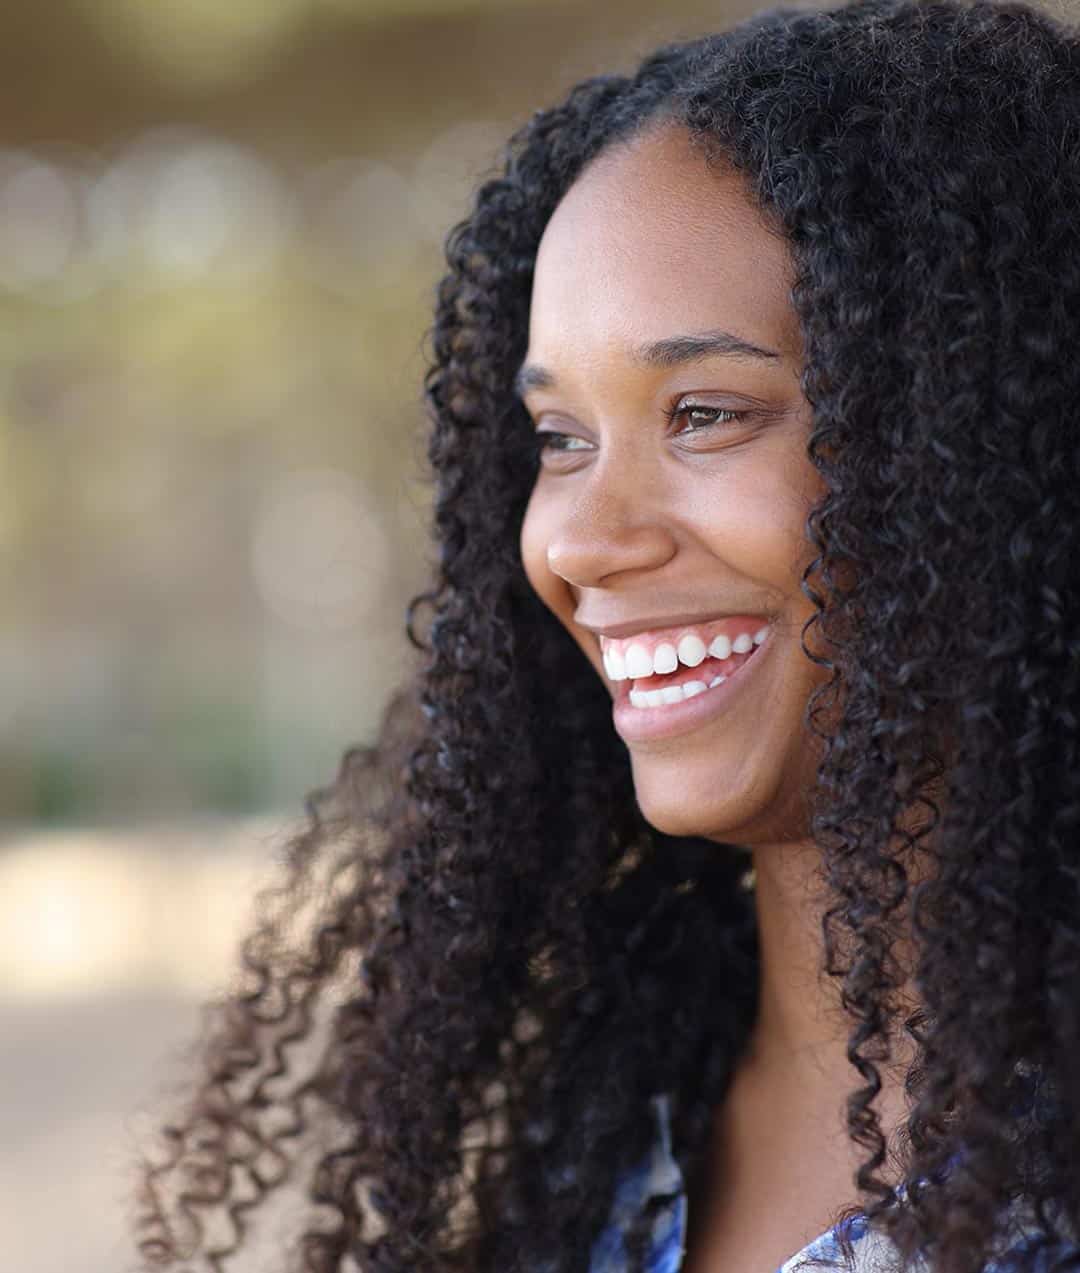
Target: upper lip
{"points": [[654, 622]]}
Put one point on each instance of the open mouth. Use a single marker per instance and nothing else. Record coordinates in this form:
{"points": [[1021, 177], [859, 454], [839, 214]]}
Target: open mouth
{"points": [[664, 688]]}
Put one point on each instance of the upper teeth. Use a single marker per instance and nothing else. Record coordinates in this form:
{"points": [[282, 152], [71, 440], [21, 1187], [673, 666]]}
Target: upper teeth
{"points": [[636, 660], [639, 662], [691, 650], [665, 657]]}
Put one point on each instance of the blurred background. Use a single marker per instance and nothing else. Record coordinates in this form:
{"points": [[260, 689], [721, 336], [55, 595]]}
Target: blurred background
{"points": [[220, 231]]}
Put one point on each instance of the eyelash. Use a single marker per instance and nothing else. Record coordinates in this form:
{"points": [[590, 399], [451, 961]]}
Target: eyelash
{"points": [[543, 439], [683, 408]]}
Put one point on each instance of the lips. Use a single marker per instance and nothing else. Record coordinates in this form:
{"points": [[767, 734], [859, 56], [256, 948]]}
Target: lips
{"points": [[638, 721]]}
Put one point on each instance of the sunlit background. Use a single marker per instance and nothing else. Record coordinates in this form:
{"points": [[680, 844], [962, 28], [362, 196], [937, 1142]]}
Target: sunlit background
{"points": [[220, 230]]}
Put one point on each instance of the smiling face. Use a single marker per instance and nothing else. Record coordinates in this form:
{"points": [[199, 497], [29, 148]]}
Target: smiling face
{"points": [[669, 510]]}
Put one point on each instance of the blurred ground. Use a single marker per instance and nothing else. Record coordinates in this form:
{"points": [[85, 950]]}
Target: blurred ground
{"points": [[109, 944]]}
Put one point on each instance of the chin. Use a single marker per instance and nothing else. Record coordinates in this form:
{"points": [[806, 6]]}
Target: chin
{"points": [[743, 807], [676, 810]]}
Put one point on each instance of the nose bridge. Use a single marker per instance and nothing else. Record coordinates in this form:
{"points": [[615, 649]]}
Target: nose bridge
{"points": [[615, 520]]}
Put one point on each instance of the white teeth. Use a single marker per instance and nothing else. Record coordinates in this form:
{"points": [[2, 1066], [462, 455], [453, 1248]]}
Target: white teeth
{"points": [[665, 657], [638, 662], [691, 650], [721, 647], [614, 664], [671, 693]]}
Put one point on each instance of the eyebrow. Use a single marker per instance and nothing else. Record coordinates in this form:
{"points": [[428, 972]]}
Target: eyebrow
{"points": [[673, 351]]}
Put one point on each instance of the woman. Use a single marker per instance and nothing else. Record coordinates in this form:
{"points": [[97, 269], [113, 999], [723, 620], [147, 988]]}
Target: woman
{"points": [[713, 900]]}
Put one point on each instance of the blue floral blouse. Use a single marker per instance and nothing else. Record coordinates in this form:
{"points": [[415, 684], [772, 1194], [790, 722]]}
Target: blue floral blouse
{"points": [[659, 1176]]}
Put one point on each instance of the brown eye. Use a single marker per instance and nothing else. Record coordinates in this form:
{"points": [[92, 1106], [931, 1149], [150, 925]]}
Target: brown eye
{"points": [[699, 416]]}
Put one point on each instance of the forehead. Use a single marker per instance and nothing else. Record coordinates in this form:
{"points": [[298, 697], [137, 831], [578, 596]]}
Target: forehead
{"points": [[652, 240]]}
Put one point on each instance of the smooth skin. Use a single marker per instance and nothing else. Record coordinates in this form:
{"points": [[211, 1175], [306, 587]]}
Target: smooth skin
{"points": [[635, 516]]}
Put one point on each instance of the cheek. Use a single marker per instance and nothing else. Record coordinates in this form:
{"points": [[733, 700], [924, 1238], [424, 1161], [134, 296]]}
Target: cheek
{"points": [[763, 523]]}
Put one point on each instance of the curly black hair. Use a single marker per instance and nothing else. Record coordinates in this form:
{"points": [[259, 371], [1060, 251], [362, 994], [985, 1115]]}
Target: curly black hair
{"points": [[481, 961]]}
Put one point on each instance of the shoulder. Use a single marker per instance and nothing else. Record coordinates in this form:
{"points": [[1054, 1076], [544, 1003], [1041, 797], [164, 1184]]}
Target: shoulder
{"points": [[872, 1252]]}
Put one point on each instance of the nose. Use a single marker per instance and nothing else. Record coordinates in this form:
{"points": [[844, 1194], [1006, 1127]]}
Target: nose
{"points": [[607, 529]]}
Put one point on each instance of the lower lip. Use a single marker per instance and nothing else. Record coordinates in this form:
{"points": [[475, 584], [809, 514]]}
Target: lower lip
{"points": [[641, 724]]}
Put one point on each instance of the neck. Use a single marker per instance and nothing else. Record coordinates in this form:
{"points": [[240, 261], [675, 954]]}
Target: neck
{"points": [[798, 1014], [799, 1039], [781, 1130]]}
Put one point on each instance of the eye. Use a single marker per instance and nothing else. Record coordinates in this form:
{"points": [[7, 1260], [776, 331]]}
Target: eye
{"points": [[700, 416], [549, 440]]}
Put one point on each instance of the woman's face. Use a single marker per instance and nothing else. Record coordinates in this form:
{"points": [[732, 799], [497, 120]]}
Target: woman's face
{"points": [[660, 542]]}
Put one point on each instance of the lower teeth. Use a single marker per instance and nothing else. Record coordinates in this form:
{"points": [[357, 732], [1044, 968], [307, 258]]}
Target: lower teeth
{"points": [[672, 693], [676, 693]]}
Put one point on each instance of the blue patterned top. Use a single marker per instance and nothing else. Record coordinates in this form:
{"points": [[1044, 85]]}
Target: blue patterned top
{"points": [[658, 1176]]}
